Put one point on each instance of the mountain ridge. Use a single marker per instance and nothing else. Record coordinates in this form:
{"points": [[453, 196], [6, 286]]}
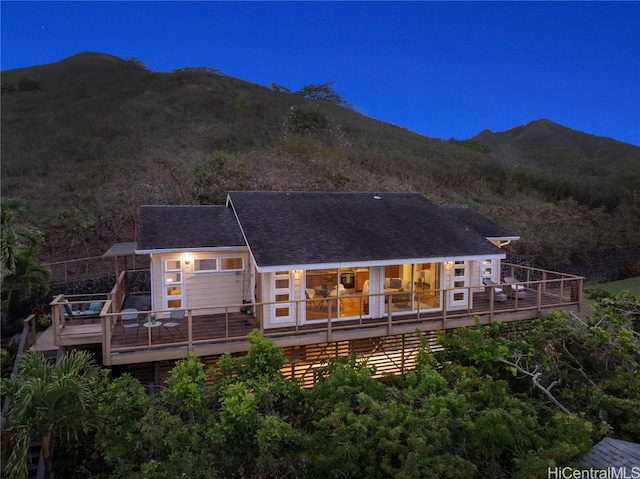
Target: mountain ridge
{"points": [[94, 136], [544, 134]]}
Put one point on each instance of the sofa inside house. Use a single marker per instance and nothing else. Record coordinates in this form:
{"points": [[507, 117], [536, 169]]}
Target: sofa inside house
{"points": [[392, 285]]}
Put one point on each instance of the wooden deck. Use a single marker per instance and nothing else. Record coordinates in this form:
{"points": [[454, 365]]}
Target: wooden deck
{"points": [[215, 334], [210, 335]]}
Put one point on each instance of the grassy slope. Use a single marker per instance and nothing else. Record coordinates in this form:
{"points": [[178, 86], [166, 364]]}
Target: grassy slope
{"points": [[630, 284], [103, 136]]}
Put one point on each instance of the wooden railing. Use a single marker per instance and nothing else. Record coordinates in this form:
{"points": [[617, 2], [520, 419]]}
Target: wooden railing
{"points": [[72, 310], [120, 290], [544, 290]]}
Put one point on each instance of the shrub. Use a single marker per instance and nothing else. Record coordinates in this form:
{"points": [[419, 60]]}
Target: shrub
{"points": [[28, 84], [136, 64]]}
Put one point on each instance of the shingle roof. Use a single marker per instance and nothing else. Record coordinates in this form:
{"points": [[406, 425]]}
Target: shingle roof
{"points": [[297, 228], [180, 227], [478, 222], [612, 453]]}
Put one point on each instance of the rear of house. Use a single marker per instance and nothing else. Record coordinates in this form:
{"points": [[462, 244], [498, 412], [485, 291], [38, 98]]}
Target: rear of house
{"points": [[352, 254], [321, 274]]}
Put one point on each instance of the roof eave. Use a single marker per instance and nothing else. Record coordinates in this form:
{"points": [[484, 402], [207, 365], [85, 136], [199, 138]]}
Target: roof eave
{"points": [[503, 238], [190, 250], [360, 264]]}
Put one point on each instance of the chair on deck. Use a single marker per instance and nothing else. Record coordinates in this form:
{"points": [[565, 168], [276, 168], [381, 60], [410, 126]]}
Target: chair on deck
{"points": [[69, 312], [514, 288], [129, 320], [94, 309], [176, 317], [498, 293]]}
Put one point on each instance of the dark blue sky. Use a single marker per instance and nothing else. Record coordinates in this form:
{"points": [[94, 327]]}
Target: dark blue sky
{"points": [[442, 69]]}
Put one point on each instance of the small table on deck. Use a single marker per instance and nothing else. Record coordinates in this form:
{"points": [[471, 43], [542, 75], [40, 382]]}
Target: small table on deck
{"points": [[153, 324]]}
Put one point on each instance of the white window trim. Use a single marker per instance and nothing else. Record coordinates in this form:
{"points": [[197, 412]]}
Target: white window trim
{"points": [[219, 269], [206, 271]]}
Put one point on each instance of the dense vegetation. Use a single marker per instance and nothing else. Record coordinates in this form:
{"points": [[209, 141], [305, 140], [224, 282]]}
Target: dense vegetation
{"points": [[101, 135], [491, 405]]}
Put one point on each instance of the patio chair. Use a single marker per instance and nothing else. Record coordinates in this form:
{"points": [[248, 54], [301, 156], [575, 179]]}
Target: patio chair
{"points": [[514, 288], [69, 312], [94, 309], [176, 317], [498, 293], [129, 320]]}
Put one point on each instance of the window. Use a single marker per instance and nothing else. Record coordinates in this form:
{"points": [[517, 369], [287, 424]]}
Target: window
{"points": [[231, 264], [173, 265], [205, 265], [486, 270], [218, 264]]}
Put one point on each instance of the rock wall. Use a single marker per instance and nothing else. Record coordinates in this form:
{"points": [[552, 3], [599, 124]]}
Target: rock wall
{"points": [[597, 266], [139, 282]]}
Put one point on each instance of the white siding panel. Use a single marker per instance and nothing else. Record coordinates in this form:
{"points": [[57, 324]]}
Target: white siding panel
{"points": [[475, 276], [156, 281], [215, 289]]}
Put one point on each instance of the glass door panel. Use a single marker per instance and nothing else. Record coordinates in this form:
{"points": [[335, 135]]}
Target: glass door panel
{"points": [[486, 269], [459, 295], [172, 284], [281, 295]]}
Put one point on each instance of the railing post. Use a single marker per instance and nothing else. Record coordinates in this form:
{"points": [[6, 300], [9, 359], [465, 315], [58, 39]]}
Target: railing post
{"points": [[444, 308], [107, 321], [491, 298], [579, 280], [539, 296], [389, 315], [56, 318], [32, 324], [189, 331]]}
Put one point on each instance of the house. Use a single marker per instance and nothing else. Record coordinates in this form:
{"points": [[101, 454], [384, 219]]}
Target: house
{"points": [[274, 247], [315, 272]]}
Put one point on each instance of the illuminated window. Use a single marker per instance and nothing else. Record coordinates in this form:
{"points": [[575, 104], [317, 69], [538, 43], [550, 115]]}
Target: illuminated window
{"points": [[231, 264]]}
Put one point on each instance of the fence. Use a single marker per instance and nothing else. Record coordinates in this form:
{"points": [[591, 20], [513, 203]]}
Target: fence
{"points": [[90, 267]]}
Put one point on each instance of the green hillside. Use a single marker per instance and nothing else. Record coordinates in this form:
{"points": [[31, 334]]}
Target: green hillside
{"points": [[90, 138]]}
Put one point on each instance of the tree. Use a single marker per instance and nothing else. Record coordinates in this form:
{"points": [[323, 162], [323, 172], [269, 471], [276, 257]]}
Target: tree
{"points": [[19, 242], [187, 386], [29, 276], [122, 403], [47, 398], [215, 177], [15, 236], [322, 92]]}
